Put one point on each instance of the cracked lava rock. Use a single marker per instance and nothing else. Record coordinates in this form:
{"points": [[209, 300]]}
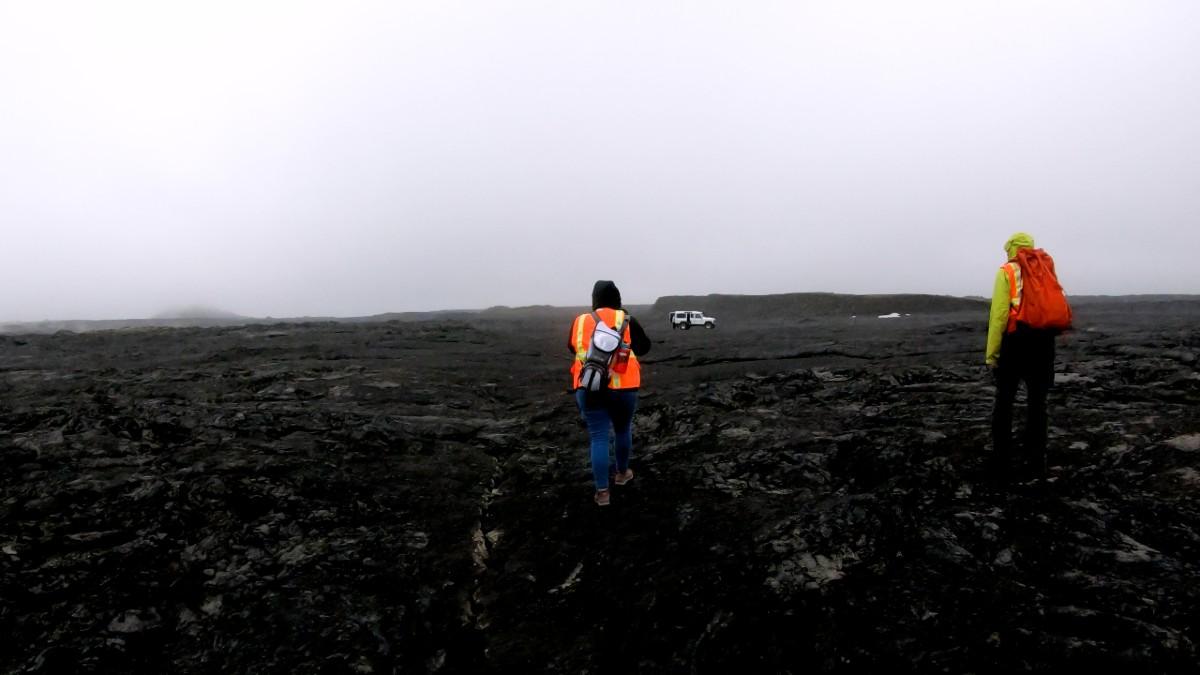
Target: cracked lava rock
{"points": [[811, 495]]}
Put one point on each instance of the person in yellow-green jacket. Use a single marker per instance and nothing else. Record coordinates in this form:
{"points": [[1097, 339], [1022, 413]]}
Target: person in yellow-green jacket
{"points": [[1015, 353]]}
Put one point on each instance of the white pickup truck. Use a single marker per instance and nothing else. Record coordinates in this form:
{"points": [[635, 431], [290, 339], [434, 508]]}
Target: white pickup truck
{"points": [[687, 319]]}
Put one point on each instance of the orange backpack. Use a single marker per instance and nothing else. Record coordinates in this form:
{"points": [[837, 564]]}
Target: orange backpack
{"points": [[1043, 303]]}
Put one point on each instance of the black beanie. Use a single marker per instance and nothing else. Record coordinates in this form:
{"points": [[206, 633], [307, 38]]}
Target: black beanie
{"points": [[606, 294]]}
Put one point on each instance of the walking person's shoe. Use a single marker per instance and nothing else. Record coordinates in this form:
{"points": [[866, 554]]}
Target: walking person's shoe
{"points": [[624, 477], [602, 497]]}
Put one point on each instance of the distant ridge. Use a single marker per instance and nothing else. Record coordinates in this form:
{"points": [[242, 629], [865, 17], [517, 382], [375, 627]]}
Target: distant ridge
{"points": [[741, 307], [198, 312], [87, 326], [548, 311], [795, 305]]}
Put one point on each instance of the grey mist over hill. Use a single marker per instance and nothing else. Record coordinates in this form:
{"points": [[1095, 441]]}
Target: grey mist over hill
{"points": [[350, 159], [787, 307], [800, 305], [197, 312]]}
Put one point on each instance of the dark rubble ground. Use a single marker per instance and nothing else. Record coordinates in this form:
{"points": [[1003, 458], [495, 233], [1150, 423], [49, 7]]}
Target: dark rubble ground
{"points": [[415, 497]]}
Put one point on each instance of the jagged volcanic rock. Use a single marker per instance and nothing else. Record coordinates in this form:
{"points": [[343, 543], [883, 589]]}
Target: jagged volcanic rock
{"points": [[415, 497]]}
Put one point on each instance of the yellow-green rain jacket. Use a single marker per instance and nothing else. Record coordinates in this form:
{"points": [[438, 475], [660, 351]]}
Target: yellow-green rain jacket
{"points": [[1002, 298]]}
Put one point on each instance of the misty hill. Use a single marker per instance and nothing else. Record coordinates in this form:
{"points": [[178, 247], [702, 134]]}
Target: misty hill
{"points": [[737, 307], [744, 307], [198, 312], [549, 312], [85, 325]]}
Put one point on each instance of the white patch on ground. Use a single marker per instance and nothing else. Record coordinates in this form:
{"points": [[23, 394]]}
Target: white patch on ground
{"points": [[736, 434], [1188, 443], [298, 554], [1072, 378], [1004, 557], [1135, 552], [1188, 476], [1089, 506], [810, 571], [828, 376], [824, 569], [1117, 450], [132, 621], [493, 537], [479, 549], [572, 579], [213, 605]]}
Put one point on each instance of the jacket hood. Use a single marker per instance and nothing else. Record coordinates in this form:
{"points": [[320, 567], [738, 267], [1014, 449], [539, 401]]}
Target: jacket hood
{"points": [[606, 294], [1017, 241]]}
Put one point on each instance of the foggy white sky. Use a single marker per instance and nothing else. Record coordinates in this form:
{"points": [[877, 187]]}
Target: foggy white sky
{"points": [[346, 158]]}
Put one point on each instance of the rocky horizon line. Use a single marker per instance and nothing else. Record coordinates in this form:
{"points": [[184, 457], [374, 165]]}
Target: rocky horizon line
{"points": [[201, 316]]}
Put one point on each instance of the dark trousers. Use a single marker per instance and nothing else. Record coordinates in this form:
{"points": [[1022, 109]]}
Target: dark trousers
{"points": [[1025, 356]]}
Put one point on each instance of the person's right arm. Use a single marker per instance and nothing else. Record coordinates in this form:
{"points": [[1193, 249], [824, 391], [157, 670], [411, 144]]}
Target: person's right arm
{"points": [[571, 337], [998, 317]]}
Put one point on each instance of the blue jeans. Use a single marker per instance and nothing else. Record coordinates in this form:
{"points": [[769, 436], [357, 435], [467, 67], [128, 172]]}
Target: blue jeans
{"points": [[612, 409]]}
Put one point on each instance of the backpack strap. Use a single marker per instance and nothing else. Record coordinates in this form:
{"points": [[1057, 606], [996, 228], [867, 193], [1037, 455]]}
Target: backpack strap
{"points": [[620, 327]]}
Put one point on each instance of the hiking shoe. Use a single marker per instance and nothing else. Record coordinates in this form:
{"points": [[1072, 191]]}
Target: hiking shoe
{"points": [[623, 478], [602, 497]]}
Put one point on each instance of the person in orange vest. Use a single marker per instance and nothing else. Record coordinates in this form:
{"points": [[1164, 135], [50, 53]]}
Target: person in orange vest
{"points": [[1018, 351], [613, 406]]}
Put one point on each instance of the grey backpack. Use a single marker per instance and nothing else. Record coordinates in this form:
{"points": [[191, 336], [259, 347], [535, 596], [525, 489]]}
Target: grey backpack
{"points": [[605, 343]]}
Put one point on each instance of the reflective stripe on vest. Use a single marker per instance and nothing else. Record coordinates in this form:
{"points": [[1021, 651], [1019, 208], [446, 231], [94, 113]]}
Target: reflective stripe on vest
{"points": [[580, 348], [1015, 287]]}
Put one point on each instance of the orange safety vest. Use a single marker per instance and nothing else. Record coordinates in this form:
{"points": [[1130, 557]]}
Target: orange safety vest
{"points": [[1015, 287], [581, 339]]}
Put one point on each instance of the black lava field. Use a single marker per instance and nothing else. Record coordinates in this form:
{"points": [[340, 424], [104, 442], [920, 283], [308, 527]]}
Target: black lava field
{"points": [[414, 496]]}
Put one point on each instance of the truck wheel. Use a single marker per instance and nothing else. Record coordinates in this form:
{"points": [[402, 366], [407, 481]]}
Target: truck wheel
{"points": [[709, 325], [686, 326]]}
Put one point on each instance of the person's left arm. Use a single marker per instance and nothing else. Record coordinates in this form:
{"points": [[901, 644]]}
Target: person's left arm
{"points": [[638, 342]]}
